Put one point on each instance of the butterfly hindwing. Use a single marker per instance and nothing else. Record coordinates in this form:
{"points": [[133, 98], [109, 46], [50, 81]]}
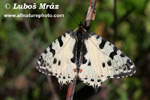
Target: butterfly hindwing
{"points": [[104, 61], [55, 60]]}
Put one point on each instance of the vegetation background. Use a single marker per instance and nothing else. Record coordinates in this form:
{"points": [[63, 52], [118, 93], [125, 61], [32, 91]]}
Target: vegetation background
{"points": [[23, 39]]}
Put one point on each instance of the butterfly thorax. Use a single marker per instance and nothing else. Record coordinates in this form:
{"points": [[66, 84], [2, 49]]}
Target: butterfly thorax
{"points": [[80, 29], [79, 46]]}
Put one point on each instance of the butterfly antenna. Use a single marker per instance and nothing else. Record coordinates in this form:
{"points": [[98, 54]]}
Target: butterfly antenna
{"points": [[87, 28], [83, 19], [77, 22]]}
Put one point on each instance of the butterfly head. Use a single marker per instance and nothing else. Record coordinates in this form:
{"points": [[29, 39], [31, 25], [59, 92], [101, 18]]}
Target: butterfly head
{"points": [[80, 28]]}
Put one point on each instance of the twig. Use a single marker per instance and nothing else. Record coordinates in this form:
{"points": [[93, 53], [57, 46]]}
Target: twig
{"points": [[115, 21], [51, 86], [89, 17], [118, 21], [125, 15], [39, 51], [30, 32], [71, 89], [91, 13]]}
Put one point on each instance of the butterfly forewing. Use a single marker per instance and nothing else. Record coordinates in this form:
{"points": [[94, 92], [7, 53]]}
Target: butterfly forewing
{"points": [[104, 61], [55, 60]]}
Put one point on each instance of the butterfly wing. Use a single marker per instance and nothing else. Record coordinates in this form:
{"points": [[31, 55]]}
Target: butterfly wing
{"points": [[103, 61], [55, 60]]}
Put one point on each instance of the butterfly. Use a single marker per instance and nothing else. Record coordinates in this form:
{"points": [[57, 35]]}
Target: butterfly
{"points": [[82, 54]]}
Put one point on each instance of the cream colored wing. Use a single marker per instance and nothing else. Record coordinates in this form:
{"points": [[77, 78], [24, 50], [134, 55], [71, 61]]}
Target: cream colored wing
{"points": [[103, 61], [55, 60]]}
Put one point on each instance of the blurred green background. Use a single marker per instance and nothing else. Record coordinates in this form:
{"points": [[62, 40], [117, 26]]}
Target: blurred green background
{"points": [[23, 39]]}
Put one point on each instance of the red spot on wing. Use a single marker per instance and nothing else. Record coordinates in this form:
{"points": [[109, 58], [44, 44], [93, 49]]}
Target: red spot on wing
{"points": [[98, 76], [74, 70], [80, 70]]}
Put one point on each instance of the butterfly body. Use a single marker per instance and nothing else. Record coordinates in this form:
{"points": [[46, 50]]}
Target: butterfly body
{"points": [[79, 48], [83, 54]]}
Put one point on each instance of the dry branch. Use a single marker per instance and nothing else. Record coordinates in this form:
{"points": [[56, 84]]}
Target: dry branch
{"points": [[115, 21], [89, 17]]}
